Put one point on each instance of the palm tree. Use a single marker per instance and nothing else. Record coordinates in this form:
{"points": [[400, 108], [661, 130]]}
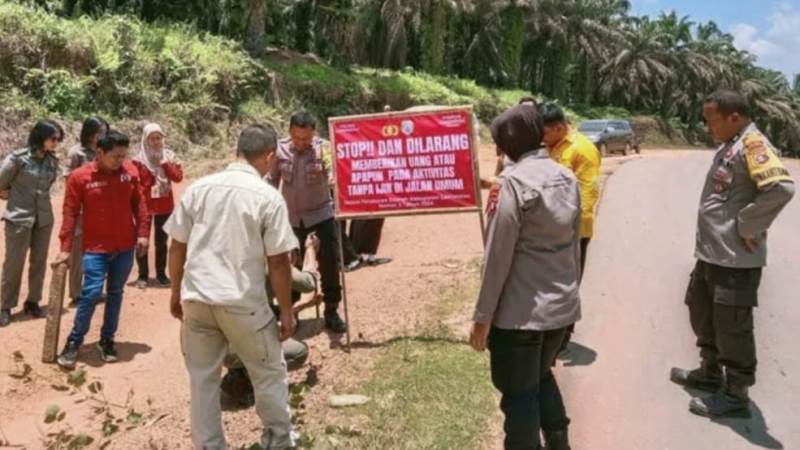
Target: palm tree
{"points": [[642, 68], [567, 41], [390, 28], [486, 57]]}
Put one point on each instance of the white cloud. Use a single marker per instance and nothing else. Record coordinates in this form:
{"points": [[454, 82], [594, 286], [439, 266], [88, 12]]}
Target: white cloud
{"points": [[747, 37], [776, 46]]}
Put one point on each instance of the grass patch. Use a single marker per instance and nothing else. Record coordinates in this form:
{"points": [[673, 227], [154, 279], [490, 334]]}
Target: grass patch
{"points": [[429, 391]]}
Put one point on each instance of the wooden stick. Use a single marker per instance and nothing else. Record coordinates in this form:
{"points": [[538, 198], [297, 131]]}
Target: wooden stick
{"points": [[342, 274], [54, 305]]}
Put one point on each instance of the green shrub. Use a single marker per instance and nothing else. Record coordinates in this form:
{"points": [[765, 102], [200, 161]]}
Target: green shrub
{"points": [[59, 91]]}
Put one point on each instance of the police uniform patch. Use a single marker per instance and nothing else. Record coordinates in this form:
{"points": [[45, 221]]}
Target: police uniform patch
{"points": [[763, 165]]}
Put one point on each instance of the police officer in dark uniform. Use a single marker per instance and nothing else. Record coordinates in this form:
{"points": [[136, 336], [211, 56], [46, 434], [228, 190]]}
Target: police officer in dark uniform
{"points": [[745, 190]]}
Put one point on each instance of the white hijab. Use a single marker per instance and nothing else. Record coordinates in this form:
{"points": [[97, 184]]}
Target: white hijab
{"points": [[152, 159]]}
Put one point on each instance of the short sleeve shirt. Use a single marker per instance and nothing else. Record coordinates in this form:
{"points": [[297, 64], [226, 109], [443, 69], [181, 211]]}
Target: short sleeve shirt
{"points": [[231, 222], [303, 180], [29, 176]]}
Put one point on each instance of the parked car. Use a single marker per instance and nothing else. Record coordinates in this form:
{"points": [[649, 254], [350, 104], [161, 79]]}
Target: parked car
{"points": [[610, 135]]}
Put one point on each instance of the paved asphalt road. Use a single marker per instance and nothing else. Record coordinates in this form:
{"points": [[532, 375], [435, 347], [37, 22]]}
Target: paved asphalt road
{"points": [[635, 326]]}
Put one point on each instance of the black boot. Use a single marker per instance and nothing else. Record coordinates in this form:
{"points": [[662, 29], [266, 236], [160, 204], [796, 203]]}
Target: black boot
{"points": [[33, 309], [707, 377], [732, 401], [236, 384], [334, 323], [5, 317], [556, 440]]}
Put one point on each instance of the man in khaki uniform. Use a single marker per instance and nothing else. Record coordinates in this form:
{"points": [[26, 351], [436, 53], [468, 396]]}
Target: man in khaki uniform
{"points": [[226, 227], [746, 188]]}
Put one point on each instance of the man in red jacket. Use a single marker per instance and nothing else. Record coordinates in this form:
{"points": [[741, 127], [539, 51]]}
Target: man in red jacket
{"points": [[158, 169], [115, 222]]}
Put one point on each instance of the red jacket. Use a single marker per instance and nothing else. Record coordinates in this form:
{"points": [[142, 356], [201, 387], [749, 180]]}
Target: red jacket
{"points": [[163, 205], [114, 209]]}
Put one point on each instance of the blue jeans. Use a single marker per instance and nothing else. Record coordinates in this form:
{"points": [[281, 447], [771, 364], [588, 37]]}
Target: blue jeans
{"points": [[96, 268]]}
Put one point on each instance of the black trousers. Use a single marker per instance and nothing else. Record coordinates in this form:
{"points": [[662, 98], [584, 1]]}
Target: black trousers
{"points": [[531, 400], [328, 261], [161, 249], [584, 248], [349, 251], [721, 301], [366, 235]]}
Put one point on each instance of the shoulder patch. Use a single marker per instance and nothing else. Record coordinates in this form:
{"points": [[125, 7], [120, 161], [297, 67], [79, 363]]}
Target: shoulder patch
{"points": [[755, 143], [763, 165]]}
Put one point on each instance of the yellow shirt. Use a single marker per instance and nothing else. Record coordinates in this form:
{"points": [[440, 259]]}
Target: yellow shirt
{"points": [[577, 153]]}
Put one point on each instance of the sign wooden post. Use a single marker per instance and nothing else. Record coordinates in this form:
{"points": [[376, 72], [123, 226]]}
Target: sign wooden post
{"points": [[403, 163], [54, 305]]}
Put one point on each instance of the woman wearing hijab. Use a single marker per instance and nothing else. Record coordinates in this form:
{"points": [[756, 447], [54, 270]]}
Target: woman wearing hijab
{"points": [[529, 293], [158, 169]]}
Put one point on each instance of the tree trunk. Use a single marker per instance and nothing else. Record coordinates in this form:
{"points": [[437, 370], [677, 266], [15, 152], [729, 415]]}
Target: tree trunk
{"points": [[434, 41], [255, 34], [513, 19], [303, 21]]}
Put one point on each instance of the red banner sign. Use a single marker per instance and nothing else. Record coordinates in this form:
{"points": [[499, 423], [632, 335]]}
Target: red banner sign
{"points": [[404, 163]]}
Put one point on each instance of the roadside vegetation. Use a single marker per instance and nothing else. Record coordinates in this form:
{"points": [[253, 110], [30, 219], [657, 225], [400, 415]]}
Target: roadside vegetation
{"points": [[202, 86]]}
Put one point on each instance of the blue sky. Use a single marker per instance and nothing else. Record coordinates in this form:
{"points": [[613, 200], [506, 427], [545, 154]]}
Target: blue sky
{"points": [[770, 29]]}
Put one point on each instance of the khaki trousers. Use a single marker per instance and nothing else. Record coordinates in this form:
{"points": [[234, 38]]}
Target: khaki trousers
{"points": [[19, 240], [252, 333]]}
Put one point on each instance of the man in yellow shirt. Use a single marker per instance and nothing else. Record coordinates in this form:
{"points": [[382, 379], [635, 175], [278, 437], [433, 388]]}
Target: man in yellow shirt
{"points": [[577, 153]]}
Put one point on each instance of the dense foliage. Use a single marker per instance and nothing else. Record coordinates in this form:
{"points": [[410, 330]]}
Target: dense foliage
{"points": [[581, 52]]}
